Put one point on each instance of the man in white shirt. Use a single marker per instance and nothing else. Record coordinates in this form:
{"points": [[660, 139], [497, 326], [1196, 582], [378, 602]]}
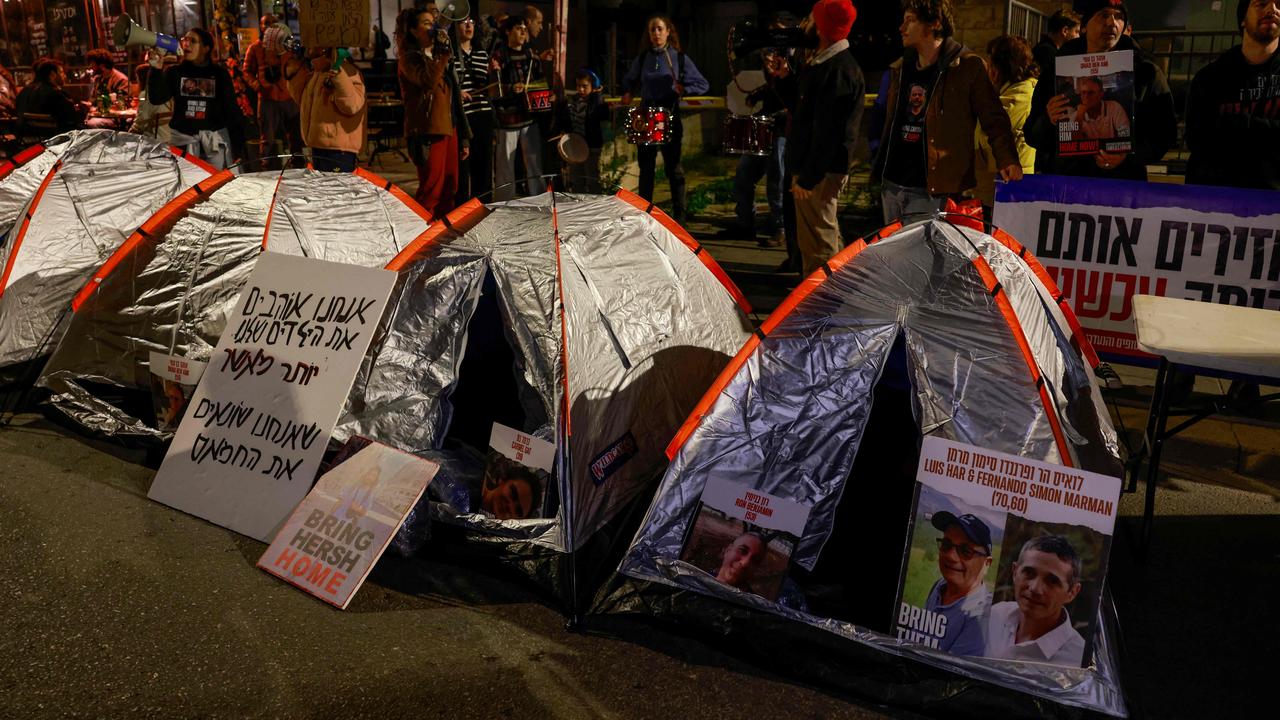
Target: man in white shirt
{"points": [[1035, 627]]}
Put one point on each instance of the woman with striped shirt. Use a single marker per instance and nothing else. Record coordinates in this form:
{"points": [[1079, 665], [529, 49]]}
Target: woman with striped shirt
{"points": [[476, 173]]}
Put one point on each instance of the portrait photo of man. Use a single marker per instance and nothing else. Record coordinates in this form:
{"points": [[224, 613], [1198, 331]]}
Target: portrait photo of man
{"points": [[1099, 118], [961, 594], [1035, 626]]}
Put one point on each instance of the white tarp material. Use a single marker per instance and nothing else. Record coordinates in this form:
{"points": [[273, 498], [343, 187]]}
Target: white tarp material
{"points": [[63, 212]]}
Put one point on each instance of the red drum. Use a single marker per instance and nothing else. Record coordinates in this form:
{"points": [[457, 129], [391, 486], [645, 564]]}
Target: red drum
{"points": [[747, 135], [539, 101], [648, 125]]}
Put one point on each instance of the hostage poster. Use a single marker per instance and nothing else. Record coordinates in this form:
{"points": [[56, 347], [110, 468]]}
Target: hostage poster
{"points": [[1099, 92], [251, 439], [337, 533], [1104, 241], [1006, 557]]}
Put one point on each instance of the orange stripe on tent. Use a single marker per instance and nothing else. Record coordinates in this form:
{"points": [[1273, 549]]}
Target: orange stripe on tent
{"points": [[21, 159], [193, 159], [271, 210], [1006, 308], [151, 229], [802, 291], [461, 218], [700, 252], [564, 324], [395, 190], [709, 398], [1078, 335], [26, 223]]}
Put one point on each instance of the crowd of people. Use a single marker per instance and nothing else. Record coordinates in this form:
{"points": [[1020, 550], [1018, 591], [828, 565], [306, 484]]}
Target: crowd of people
{"points": [[481, 102]]}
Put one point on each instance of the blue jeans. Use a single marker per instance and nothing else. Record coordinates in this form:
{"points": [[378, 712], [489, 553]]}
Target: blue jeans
{"points": [[750, 168]]}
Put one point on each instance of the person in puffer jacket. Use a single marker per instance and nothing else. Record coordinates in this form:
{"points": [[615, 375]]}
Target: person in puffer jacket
{"points": [[330, 97]]}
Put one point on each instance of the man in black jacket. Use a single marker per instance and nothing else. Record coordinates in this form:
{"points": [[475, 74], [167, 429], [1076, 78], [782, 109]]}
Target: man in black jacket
{"points": [[1064, 26], [45, 96], [1155, 123], [824, 129], [1233, 113]]}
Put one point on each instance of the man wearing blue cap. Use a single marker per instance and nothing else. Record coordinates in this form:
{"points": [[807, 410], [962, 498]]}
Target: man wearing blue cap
{"points": [[964, 555]]}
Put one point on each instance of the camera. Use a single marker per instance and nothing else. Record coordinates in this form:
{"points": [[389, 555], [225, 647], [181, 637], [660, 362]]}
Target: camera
{"points": [[747, 37]]}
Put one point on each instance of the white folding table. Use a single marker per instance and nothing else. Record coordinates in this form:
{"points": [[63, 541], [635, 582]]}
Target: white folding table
{"points": [[1229, 341]]}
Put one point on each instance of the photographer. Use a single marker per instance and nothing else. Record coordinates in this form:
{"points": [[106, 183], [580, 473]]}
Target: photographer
{"points": [[434, 123], [826, 114], [278, 118], [330, 99]]}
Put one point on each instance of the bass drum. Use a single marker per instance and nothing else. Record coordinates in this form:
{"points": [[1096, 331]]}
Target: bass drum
{"points": [[744, 83]]}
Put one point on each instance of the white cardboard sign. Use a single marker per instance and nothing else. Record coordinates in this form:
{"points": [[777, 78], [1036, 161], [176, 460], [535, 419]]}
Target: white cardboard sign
{"points": [[755, 506], [253, 435], [522, 447]]}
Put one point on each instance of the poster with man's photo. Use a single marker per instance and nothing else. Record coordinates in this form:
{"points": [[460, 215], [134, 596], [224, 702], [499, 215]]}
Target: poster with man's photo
{"points": [[173, 382], [1006, 556], [1098, 89], [744, 537]]}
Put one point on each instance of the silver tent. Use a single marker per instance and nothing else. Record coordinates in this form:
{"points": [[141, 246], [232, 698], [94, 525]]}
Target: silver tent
{"points": [[616, 320], [994, 358], [169, 287], [65, 206]]}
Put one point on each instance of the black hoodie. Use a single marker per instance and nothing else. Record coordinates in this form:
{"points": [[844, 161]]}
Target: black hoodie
{"points": [[1155, 123], [1233, 123]]}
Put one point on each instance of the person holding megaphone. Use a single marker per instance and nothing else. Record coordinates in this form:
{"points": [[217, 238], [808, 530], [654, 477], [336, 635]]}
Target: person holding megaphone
{"points": [[206, 121], [330, 95]]}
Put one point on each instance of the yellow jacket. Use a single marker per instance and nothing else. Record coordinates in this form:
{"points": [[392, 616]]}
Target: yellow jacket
{"points": [[1016, 99]]}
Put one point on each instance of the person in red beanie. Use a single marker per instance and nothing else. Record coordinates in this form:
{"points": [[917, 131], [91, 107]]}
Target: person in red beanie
{"points": [[825, 99], [927, 157]]}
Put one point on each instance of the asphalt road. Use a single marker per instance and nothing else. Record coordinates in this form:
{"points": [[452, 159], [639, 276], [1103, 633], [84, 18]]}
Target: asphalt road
{"points": [[116, 606]]}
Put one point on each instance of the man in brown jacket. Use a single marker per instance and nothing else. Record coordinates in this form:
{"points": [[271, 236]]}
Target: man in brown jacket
{"points": [[938, 92]]}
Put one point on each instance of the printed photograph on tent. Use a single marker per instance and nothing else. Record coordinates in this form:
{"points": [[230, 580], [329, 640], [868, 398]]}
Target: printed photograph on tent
{"points": [[173, 382], [512, 490], [1069, 577], [738, 553], [945, 595]]}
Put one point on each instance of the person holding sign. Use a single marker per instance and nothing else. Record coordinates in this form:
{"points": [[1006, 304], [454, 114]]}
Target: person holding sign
{"points": [[330, 98], [961, 596], [206, 121], [1155, 121], [663, 74], [278, 112], [435, 126], [1036, 627]]}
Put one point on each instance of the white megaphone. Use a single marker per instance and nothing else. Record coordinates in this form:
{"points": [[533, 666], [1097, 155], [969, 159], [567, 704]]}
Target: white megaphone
{"points": [[127, 33]]}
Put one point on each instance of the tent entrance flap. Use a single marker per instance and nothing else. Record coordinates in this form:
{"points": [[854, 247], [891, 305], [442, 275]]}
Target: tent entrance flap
{"points": [[848, 582], [490, 388]]}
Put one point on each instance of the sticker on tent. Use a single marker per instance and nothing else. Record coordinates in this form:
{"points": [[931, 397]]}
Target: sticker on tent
{"points": [[251, 442], [334, 537], [173, 381], [744, 537], [1007, 556], [516, 474]]}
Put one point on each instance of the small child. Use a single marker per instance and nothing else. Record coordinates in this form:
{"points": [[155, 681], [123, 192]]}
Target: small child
{"points": [[583, 114]]}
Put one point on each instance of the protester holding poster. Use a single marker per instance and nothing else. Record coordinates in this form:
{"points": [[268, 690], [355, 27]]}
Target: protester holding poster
{"points": [[926, 157], [329, 91], [1155, 123]]}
